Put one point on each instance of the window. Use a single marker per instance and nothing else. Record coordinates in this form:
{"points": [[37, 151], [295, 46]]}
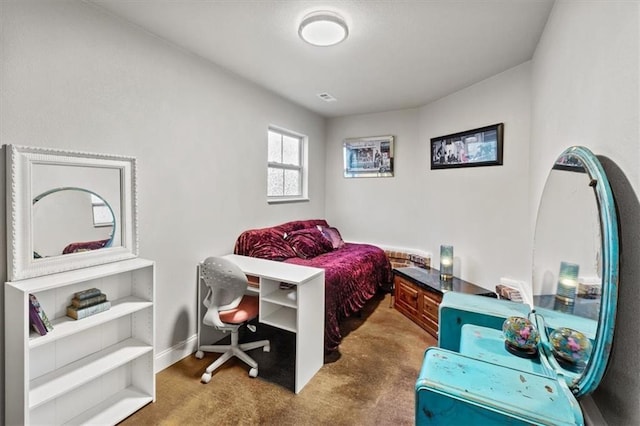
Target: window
{"points": [[102, 215], [286, 161]]}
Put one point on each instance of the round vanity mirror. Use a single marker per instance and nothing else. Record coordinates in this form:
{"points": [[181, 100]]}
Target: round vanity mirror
{"points": [[71, 220], [575, 269]]}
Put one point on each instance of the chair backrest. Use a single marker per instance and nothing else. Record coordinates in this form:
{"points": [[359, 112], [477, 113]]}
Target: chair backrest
{"points": [[226, 281]]}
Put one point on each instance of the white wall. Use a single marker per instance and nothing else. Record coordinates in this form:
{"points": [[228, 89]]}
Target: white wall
{"points": [[585, 84], [482, 211], [361, 207], [73, 77]]}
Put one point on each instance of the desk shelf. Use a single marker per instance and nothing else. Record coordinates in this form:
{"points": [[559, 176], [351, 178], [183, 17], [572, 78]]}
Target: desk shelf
{"points": [[278, 307], [282, 297], [283, 318]]}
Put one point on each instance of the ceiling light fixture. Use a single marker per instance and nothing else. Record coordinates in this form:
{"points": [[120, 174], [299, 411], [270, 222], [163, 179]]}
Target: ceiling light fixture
{"points": [[323, 28]]}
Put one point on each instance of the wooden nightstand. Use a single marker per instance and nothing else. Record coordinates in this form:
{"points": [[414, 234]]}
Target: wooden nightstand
{"points": [[418, 293]]}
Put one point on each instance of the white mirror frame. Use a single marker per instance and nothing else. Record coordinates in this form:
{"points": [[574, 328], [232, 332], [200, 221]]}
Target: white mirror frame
{"points": [[20, 261]]}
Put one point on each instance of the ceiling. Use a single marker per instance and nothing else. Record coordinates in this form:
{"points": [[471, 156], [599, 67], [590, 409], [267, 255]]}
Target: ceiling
{"points": [[399, 54]]}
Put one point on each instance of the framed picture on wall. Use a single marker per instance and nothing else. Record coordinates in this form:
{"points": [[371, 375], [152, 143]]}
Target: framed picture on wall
{"points": [[477, 147], [570, 163], [368, 157]]}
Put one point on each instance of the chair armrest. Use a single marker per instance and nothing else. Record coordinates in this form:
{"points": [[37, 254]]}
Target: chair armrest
{"points": [[212, 318]]}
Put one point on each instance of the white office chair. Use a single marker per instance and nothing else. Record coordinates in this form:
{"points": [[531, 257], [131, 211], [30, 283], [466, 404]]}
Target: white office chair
{"points": [[228, 308]]}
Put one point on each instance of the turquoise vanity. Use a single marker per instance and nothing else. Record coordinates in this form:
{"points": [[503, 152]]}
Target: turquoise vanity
{"points": [[474, 377]]}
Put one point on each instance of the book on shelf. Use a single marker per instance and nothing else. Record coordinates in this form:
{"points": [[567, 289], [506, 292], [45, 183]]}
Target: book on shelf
{"points": [[82, 303], [37, 317], [87, 294], [80, 313]]}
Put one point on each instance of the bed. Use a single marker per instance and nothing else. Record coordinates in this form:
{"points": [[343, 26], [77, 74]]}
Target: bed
{"points": [[354, 273]]}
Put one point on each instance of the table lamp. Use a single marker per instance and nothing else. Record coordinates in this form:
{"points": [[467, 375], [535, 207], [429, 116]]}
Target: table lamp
{"points": [[446, 262], [567, 283]]}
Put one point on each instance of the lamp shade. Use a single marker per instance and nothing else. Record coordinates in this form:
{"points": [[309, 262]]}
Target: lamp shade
{"points": [[446, 262], [567, 282], [323, 28]]}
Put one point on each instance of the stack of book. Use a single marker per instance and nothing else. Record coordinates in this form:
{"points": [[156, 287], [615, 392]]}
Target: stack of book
{"points": [[37, 318], [86, 303]]}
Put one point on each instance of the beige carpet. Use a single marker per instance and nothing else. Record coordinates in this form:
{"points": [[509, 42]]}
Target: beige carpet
{"points": [[370, 381]]}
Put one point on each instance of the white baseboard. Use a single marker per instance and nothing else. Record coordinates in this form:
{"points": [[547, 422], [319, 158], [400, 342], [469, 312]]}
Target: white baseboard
{"points": [[175, 353]]}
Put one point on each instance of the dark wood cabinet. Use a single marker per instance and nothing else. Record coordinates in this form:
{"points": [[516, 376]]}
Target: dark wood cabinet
{"points": [[418, 304], [418, 293]]}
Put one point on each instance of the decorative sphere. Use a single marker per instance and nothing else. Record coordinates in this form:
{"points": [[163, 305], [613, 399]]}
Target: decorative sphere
{"points": [[520, 333], [570, 345]]}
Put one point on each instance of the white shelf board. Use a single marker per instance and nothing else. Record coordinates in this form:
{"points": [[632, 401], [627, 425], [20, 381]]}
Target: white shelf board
{"points": [[33, 285], [281, 297], [278, 271], [65, 326], [284, 318], [62, 380], [114, 409]]}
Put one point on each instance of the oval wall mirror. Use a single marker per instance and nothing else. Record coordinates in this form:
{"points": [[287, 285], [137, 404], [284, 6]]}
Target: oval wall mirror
{"points": [[575, 269], [48, 190], [71, 220]]}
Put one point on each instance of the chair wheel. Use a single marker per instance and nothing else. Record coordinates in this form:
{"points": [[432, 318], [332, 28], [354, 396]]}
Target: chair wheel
{"points": [[266, 348], [199, 354], [253, 372], [206, 378]]}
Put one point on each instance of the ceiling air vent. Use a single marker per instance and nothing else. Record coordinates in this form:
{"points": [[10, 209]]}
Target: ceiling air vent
{"points": [[326, 97]]}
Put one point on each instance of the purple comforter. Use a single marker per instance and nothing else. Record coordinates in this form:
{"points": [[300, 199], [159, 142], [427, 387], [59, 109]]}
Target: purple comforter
{"points": [[353, 273]]}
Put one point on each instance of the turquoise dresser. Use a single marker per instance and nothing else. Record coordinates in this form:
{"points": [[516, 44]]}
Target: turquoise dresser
{"points": [[454, 389], [474, 378]]}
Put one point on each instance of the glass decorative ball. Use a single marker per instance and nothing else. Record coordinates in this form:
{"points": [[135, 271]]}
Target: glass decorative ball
{"points": [[570, 345], [520, 334]]}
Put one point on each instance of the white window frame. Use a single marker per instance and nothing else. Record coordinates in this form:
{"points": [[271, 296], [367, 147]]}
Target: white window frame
{"points": [[302, 168], [98, 203]]}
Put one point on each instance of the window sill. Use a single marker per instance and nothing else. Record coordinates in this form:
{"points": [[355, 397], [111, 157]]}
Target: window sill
{"points": [[287, 200]]}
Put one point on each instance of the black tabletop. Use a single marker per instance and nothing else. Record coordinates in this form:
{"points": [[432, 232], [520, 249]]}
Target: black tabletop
{"points": [[582, 307], [429, 278]]}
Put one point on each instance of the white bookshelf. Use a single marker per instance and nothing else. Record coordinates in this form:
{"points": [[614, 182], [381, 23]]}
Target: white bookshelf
{"points": [[97, 370]]}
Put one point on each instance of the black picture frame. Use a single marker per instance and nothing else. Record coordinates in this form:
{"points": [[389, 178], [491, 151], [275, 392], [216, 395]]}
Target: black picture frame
{"points": [[472, 148]]}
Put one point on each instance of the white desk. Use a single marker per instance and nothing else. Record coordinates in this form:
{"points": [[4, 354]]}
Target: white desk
{"points": [[299, 310]]}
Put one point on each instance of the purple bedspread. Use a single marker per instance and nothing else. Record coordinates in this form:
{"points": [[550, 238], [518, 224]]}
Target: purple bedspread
{"points": [[353, 273]]}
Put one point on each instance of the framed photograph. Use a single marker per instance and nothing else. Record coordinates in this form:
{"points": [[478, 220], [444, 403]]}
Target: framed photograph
{"points": [[368, 157], [570, 163], [477, 147]]}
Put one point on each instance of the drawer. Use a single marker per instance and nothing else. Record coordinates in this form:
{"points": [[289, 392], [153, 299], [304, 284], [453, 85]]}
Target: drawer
{"points": [[430, 305], [430, 325], [406, 294]]}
